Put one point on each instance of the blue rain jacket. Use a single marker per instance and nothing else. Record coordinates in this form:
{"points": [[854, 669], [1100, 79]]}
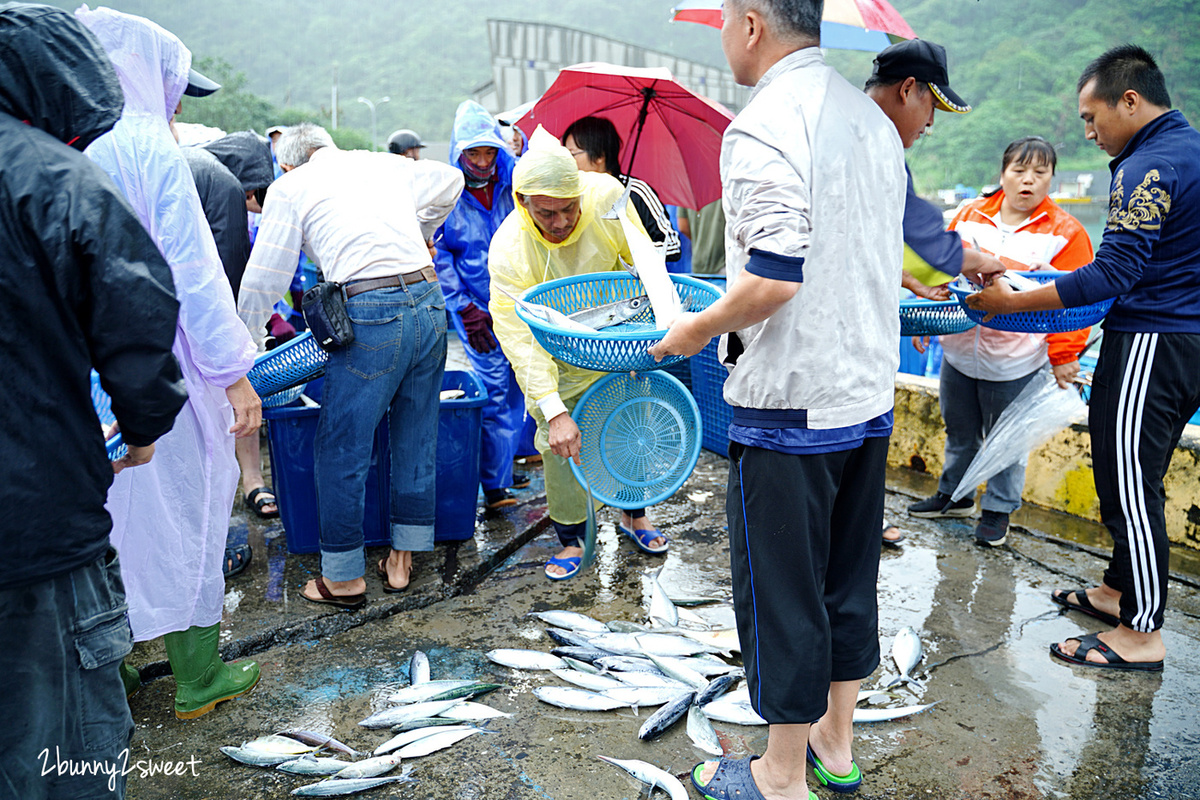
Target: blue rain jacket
{"points": [[462, 249]]}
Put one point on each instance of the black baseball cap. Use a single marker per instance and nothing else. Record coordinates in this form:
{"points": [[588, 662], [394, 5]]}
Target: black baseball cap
{"points": [[925, 61], [200, 86]]}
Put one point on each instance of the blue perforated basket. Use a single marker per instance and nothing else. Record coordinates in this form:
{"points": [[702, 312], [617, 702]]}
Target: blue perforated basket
{"points": [[103, 405], [288, 366], [621, 348], [921, 317], [641, 438], [1057, 321]]}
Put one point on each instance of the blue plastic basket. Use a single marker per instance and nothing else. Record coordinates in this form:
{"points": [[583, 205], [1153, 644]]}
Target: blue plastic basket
{"points": [[641, 438], [283, 398], [708, 387], [103, 405], [921, 317], [1057, 321], [288, 366], [621, 348]]}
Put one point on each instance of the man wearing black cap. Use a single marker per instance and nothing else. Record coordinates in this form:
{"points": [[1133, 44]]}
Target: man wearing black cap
{"points": [[405, 143], [909, 82]]}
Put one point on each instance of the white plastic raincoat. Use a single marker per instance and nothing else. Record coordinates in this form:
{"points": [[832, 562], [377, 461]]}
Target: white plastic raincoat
{"points": [[171, 516]]}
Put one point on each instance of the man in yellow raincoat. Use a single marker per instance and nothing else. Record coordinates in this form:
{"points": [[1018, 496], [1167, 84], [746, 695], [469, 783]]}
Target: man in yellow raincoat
{"points": [[557, 230]]}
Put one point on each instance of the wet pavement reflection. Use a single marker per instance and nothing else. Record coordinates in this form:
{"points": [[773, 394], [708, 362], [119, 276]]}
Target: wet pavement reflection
{"points": [[1011, 722]]}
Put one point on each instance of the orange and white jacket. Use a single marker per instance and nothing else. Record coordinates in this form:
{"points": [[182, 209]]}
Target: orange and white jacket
{"points": [[1049, 235]]}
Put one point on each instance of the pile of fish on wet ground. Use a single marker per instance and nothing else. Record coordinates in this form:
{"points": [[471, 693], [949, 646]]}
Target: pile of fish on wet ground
{"points": [[425, 717], [678, 663]]}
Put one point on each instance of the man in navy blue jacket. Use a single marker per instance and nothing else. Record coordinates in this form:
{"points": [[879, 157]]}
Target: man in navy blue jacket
{"points": [[1146, 386]]}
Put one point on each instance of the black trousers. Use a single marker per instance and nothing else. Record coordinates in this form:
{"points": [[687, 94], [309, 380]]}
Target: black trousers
{"points": [[804, 546], [1145, 389]]}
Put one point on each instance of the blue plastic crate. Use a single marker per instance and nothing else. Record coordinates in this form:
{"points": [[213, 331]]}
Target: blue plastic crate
{"points": [[708, 387], [291, 433], [921, 317]]}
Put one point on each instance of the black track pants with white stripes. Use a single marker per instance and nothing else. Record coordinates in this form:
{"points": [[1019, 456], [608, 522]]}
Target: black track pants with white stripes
{"points": [[1146, 387]]}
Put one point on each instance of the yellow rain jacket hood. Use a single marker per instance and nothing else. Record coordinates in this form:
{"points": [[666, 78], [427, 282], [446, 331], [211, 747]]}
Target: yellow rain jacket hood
{"points": [[520, 257]]}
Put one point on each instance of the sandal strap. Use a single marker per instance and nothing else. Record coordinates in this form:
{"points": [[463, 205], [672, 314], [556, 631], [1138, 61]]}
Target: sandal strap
{"points": [[323, 590]]}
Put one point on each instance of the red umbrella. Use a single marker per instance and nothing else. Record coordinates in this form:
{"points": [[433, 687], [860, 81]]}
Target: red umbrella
{"points": [[869, 25], [677, 131]]}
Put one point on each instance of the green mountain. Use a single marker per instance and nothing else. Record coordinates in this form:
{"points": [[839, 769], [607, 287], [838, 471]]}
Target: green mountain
{"points": [[1015, 61]]}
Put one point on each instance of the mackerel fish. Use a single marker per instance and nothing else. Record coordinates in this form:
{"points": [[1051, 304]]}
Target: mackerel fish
{"points": [[607, 315]]}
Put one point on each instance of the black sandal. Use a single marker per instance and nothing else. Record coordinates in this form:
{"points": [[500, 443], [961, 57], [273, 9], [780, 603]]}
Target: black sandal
{"points": [[262, 496], [237, 558]]}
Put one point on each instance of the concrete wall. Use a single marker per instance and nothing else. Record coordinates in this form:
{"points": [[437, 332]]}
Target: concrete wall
{"points": [[1059, 474]]}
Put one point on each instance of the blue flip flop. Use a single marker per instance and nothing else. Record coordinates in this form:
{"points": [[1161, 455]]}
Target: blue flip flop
{"points": [[643, 539], [571, 565], [842, 784], [731, 781]]}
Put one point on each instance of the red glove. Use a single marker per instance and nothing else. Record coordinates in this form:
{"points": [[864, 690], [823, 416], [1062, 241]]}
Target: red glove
{"points": [[478, 324], [280, 328]]}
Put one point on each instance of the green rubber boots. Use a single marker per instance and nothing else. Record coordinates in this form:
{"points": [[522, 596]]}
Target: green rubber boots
{"points": [[201, 679]]}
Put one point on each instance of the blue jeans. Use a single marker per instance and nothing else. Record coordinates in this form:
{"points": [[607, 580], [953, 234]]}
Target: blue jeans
{"points": [[64, 708], [393, 367], [970, 407]]}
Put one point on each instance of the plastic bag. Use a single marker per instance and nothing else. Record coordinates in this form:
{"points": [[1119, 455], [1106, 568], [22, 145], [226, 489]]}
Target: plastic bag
{"points": [[1041, 410]]}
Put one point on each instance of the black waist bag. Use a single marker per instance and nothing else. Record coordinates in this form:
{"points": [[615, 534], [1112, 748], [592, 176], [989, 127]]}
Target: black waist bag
{"points": [[325, 314]]}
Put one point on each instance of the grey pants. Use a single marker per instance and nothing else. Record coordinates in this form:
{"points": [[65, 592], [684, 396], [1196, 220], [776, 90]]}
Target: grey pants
{"points": [[66, 722], [970, 407]]}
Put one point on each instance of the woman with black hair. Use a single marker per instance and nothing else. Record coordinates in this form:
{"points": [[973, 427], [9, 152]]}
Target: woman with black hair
{"points": [[596, 146], [984, 369]]}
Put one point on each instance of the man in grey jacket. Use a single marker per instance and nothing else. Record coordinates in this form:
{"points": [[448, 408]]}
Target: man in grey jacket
{"points": [[813, 180]]}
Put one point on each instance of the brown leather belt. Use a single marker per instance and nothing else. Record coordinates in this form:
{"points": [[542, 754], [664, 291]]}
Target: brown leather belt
{"points": [[371, 284]]}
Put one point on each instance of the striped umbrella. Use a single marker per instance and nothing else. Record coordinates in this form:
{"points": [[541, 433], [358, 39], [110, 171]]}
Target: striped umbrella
{"points": [[868, 25]]}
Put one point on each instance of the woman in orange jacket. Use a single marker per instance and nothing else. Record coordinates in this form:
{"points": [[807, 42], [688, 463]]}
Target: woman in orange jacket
{"points": [[984, 369]]}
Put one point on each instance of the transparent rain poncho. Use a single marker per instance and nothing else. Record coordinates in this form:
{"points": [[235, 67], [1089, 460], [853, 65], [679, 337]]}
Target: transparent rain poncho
{"points": [[171, 516]]}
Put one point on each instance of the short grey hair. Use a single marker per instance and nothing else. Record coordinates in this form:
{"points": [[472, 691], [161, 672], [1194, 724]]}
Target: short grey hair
{"points": [[298, 142], [793, 21]]}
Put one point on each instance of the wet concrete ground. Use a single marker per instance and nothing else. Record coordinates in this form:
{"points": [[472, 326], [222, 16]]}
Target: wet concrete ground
{"points": [[1011, 722]]}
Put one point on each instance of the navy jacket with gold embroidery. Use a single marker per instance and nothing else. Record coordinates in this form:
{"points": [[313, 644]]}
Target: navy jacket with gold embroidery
{"points": [[1149, 258]]}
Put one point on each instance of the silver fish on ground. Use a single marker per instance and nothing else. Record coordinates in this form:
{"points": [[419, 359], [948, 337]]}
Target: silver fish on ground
{"points": [[907, 653], [423, 722], [588, 654], [626, 664], [438, 741], [670, 713], [571, 620], [680, 672], [608, 314], [587, 680], [888, 714], [408, 737], [568, 638], [320, 741], [418, 668], [276, 743], [652, 680], [734, 707], [700, 731], [706, 664], [651, 775], [370, 767], [691, 601], [662, 611], [715, 688], [257, 758], [550, 316], [576, 699], [643, 696], [472, 712], [400, 714], [441, 690], [580, 665], [625, 626], [309, 764], [336, 787], [524, 659]]}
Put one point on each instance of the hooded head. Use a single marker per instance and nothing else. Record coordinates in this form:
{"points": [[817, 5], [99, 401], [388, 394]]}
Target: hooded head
{"points": [[55, 75], [475, 127], [248, 156], [150, 61]]}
